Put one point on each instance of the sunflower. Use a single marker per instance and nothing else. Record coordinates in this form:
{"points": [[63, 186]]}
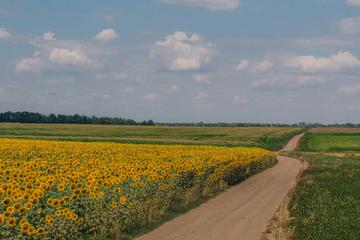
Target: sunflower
{"points": [[11, 222], [2, 219], [49, 219], [24, 227], [6, 201], [122, 200], [40, 231], [61, 187]]}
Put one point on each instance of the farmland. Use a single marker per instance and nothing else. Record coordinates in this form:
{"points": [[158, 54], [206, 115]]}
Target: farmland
{"points": [[268, 138], [326, 204], [67, 190], [331, 140]]}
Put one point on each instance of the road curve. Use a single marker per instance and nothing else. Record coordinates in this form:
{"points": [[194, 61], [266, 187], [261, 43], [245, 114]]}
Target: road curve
{"points": [[240, 213]]}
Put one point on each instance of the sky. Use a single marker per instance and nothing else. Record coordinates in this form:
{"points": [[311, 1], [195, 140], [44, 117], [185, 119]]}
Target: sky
{"points": [[276, 61]]}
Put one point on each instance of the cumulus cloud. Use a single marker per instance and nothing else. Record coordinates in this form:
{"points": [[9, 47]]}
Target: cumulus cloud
{"points": [[106, 36], [255, 67], [334, 63], [183, 52], [285, 81], [201, 78], [216, 5], [109, 18], [243, 65], [151, 97], [350, 89], [49, 36], [262, 66], [240, 100], [111, 76], [353, 2], [32, 64], [350, 25], [173, 88], [69, 57], [202, 96], [4, 33]]}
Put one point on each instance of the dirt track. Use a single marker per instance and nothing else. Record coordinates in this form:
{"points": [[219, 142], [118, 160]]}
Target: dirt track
{"points": [[242, 212]]}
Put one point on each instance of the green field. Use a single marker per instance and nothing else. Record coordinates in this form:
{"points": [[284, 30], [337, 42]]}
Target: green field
{"points": [[330, 142], [326, 202], [269, 138]]}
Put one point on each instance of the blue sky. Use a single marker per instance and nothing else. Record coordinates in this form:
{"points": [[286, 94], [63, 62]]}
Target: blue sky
{"points": [[183, 60]]}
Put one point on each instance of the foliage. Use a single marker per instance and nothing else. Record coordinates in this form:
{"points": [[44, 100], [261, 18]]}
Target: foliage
{"points": [[73, 190], [30, 117], [326, 203]]}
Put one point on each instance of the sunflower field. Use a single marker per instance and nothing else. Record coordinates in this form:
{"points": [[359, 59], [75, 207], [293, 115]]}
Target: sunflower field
{"points": [[76, 190]]}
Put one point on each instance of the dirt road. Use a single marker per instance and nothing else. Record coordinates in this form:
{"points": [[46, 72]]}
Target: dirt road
{"points": [[240, 213]]}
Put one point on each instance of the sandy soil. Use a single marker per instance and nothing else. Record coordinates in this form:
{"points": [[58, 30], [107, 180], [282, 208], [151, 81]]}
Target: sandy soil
{"points": [[242, 212]]}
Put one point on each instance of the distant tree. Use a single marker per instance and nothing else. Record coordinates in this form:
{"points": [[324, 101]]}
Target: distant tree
{"points": [[29, 117]]}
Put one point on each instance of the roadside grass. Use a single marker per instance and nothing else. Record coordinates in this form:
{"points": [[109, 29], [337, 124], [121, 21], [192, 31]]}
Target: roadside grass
{"points": [[330, 142], [326, 202], [264, 137]]}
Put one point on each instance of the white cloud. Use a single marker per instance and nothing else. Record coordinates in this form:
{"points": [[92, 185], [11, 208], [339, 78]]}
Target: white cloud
{"points": [[353, 2], [109, 18], [106, 36], [32, 64], [69, 57], [350, 25], [107, 96], [255, 67], [216, 5], [4, 33], [262, 66], [280, 81], [183, 52], [151, 97], [173, 88], [49, 36], [240, 100], [243, 65], [201, 78], [202, 96], [350, 89], [334, 63], [111, 76]]}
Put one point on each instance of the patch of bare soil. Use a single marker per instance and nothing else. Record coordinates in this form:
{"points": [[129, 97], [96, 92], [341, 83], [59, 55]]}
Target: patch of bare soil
{"points": [[278, 227]]}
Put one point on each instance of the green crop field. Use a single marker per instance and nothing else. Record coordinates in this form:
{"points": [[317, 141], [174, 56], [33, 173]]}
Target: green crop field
{"points": [[326, 202], [331, 142], [269, 138]]}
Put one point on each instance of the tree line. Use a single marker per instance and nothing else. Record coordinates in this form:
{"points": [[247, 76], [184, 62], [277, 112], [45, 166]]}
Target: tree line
{"points": [[297, 125], [31, 117]]}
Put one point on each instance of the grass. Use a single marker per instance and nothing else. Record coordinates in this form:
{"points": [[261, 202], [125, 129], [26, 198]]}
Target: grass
{"points": [[268, 138], [330, 142], [326, 203]]}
